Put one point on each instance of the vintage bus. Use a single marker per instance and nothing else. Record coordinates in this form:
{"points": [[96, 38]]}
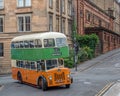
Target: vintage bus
{"points": [[37, 59]]}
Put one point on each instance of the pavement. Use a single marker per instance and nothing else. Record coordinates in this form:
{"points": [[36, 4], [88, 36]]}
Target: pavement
{"points": [[87, 64], [111, 89]]}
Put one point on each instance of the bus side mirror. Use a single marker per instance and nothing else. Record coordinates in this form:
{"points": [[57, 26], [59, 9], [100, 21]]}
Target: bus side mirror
{"points": [[61, 61]]}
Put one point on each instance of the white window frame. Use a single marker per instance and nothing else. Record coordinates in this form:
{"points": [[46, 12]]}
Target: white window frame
{"points": [[63, 6], [57, 23], [24, 24], [50, 24], [63, 25], [3, 23], [2, 4], [69, 7], [24, 3], [50, 3]]}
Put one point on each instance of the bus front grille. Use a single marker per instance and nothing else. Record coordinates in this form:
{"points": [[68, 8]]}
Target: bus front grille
{"points": [[59, 77]]}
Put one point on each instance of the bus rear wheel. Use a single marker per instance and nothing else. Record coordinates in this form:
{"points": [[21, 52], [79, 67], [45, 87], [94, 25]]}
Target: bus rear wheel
{"points": [[19, 77]]}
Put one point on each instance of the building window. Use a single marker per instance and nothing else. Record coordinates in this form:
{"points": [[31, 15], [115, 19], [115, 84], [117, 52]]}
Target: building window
{"points": [[1, 4], [70, 27], [57, 5], [88, 16], [51, 3], [70, 7], [50, 22], [24, 23], [1, 24], [63, 26], [63, 6], [1, 50], [57, 24], [24, 3]]}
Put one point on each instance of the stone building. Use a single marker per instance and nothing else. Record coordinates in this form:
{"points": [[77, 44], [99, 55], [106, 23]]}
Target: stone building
{"points": [[112, 7], [19, 17], [92, 18]]}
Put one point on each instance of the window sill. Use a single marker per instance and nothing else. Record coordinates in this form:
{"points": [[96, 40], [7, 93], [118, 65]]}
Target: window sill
{"points": [[24, 7]]}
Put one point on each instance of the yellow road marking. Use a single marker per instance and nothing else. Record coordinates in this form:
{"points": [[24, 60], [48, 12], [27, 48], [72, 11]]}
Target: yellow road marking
{"points": [[106, 88]]}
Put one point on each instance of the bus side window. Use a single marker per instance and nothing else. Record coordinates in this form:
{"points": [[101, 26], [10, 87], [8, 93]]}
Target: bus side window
{"points": [[38, 43], [49, 43], [27, 63], [21, 44], [31, 44], [42, 63], [26, 44], [17, 45], [17, 64], [12, 45], [33, 67], [38, 65], [21, 64]]}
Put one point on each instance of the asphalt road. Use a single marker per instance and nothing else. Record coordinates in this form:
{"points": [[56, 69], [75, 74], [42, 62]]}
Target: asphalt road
{"points": [[94, 76]]}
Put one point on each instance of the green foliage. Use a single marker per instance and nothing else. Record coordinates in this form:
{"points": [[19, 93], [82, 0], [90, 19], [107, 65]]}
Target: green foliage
{"points": [[88, 40], [85, 53], [68, 61], [87, 44]]}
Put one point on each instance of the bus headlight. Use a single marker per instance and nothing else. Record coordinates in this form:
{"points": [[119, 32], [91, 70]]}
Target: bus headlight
{"points": [[50, 77], [68, 75]]}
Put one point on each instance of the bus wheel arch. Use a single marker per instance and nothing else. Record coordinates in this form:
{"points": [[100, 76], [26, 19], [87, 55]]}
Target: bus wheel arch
{"points": [[19, 76], [42, 83]]}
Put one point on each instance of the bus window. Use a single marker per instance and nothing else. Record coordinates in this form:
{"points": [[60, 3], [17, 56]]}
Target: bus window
{"points": [[49, 43], [38, 43], [17, 64], [21, 64], [17, 44], [61, 42], [51, 64], [42, 63], [27, 64], [21, 44], [33, 67], [26, 44], [31, 44], [39, 65], [12, 45]]}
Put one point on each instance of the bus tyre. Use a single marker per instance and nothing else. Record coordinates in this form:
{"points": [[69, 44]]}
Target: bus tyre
{"points": [[19, 77], [67, 85], [44, 85], [40, 83]]}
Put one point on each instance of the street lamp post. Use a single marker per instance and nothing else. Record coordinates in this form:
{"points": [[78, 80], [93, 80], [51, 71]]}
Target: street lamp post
{"points": [[74, 40]]}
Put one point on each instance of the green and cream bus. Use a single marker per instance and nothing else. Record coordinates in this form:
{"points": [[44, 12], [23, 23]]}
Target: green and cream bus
{"points": [[37, 59]]}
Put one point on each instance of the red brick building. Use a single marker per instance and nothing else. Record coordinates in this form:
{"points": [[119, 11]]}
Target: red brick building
{"points": [[92, 19]]}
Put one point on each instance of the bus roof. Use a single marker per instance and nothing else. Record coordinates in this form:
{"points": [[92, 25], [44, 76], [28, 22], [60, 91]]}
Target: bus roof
{"points": [[41, 36]]}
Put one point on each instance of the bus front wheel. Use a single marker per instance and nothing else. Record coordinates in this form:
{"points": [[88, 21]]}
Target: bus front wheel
{"points": [[67, 85], [42, 84]]}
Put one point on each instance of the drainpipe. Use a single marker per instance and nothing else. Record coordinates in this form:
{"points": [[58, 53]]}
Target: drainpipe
{"points": [[61, 15]]}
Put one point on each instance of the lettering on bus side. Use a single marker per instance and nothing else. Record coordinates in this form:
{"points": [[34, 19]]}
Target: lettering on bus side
{"points": [[57, 52]]}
